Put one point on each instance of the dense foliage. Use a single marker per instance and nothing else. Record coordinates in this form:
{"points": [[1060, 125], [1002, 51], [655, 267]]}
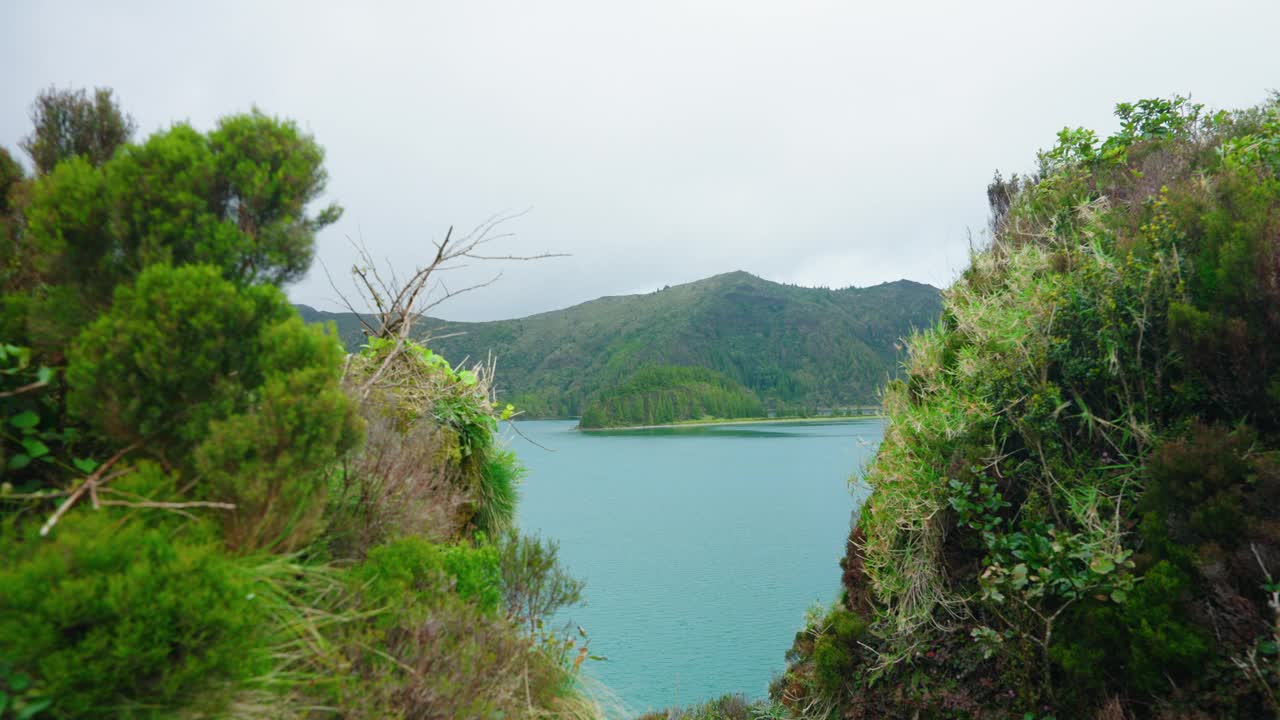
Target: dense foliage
{"points": [[668, 394], [1075, 506], [207, 507], [796, 348]]}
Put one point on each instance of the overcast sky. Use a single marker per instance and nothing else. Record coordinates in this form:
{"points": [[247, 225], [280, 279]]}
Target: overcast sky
{"points": [[656, 142]]}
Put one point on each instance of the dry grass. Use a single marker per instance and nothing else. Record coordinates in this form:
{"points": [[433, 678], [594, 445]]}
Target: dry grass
{"points": [[399, 484]]}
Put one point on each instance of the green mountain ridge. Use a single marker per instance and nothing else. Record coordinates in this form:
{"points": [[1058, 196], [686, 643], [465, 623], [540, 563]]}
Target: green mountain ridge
{"points": [[793, 346]]}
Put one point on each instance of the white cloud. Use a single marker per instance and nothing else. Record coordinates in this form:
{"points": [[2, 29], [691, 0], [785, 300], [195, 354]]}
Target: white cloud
{"points": [[827, 143]]}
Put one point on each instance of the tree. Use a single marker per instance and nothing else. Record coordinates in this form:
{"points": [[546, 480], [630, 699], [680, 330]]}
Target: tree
{"points": [[10, 174], [267, 173], [235, 199], [12, 178], [70, 123]]}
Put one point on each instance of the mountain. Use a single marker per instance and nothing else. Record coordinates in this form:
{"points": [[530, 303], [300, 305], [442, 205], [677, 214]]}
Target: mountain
{"points": [[793, 346]]}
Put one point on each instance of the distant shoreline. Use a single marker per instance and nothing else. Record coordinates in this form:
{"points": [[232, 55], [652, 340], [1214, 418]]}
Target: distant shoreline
{"points": [[736, 421]]}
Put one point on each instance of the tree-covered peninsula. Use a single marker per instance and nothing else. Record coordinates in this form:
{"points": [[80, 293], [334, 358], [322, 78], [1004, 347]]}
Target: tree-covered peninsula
{"points": [[670, 394], [207, 508]]}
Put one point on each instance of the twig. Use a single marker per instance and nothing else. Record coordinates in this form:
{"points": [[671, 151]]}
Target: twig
{"points": [[170, 505], [24, 389], [528, 439], [89, 484]]}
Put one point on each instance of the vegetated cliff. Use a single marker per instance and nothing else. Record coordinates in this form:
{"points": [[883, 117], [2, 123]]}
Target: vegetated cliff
{"points": [[1076, 507], [667, 394], [794, 347], [207, 509]]}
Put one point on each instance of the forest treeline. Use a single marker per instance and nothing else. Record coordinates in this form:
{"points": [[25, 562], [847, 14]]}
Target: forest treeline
{"points": [[669, 394], [209, 509]]}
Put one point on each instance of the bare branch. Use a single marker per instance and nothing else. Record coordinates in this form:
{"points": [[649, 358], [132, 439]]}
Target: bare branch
{"points": [[25, 388], [541, 256], [90, 484]]}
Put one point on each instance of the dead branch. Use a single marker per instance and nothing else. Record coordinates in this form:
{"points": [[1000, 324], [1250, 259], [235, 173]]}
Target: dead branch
{"points": [[396, 302], [170, 505], [24, 389], [90, 484]]}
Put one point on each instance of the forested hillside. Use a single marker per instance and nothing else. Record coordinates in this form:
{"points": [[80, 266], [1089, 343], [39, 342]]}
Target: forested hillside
{"points": [[1076, 507], [794, 347], [667, 394]]}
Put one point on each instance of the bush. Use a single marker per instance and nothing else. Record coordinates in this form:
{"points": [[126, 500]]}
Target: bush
{"points": [[227, 383], [114, 614], [534, 585], [436, 645], [412, 567]]}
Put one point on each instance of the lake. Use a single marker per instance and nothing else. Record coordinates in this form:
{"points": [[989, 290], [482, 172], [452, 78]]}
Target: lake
{"points": [[702, 547]]}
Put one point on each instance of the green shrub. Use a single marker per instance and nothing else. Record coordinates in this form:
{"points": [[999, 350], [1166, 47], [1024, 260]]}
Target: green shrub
{"points": [[412, 567], [534, 585], [229, 384], [434, 643], [112, 614]]}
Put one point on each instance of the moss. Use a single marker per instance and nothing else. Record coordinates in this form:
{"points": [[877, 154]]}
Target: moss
{"points": [[836, 652]]}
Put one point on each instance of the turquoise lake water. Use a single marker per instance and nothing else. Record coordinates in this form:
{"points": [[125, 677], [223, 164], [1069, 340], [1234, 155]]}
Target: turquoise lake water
{"points": [[701, 547]]}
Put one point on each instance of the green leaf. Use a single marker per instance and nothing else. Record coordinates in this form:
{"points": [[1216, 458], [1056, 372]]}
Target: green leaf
{"points": [[19, 682], [35, 448], [85, 465], [25, 420], [1101, 564], [1119, 596], [19, 461], [36, 706], [1268, 648], [44, 374]]}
